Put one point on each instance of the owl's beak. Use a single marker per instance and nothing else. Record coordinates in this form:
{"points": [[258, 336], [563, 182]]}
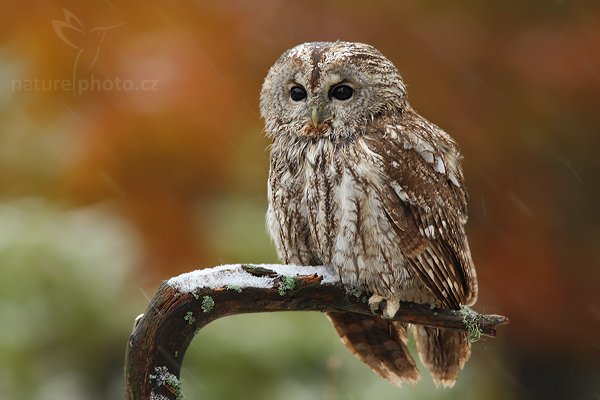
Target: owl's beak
{"points": [[314, 116]]}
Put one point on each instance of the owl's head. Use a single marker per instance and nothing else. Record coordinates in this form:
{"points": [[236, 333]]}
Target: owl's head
{"points": [[333, 89]]}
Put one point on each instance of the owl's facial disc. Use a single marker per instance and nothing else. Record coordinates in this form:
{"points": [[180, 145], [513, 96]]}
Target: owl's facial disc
{"points": [[329, 89]]}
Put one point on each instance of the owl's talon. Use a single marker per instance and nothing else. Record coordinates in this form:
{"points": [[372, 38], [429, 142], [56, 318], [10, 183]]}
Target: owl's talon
{"points": [[391, 308], [374, 302]]}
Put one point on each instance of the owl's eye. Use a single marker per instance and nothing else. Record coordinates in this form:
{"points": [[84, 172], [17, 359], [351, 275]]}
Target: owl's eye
{"points": [[342, 92], [297, 93]]}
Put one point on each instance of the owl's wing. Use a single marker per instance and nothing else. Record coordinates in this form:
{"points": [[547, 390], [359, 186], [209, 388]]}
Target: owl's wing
{"points": [[425, 201]]}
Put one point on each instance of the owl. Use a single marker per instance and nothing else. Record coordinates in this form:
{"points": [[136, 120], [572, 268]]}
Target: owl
{"points": [[361, 183]]}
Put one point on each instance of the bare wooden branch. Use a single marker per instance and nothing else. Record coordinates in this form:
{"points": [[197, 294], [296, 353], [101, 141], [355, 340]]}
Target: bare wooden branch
{"points": [[186, 303]]}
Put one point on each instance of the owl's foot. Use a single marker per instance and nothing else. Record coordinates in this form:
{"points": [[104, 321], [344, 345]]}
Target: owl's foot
{"points": [[390, 309], [374, 302]]}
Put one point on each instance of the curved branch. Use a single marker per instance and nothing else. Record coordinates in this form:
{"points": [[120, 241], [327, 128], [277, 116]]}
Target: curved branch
{"points": [[188, 302]]}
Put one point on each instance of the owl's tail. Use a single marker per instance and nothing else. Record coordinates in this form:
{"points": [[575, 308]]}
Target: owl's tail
{"points": [[443, 351], [379, 343]]}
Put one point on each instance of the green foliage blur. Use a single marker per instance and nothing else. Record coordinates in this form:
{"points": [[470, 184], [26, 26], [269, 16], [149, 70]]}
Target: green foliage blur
{"points": [[131, 151], [65, 304]]}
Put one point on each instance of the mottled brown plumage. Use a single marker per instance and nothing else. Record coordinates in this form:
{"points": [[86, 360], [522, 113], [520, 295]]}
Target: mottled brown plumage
{"points": [[363, 184]]}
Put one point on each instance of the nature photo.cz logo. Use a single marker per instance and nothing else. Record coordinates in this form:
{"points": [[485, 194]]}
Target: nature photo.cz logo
{"points": [[88, 46]]}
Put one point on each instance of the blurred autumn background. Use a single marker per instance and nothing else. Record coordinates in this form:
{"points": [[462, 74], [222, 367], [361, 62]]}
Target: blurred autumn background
{"points": [[131, 151]]}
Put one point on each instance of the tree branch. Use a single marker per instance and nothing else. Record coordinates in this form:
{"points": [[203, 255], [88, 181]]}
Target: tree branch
{"points": [[186, 303]]}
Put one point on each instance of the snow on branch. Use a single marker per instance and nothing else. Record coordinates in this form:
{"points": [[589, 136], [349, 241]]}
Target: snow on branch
{"points": [[186, 303]]}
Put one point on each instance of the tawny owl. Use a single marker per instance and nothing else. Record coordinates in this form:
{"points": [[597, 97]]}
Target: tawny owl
{"points": [[363, 184]]}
